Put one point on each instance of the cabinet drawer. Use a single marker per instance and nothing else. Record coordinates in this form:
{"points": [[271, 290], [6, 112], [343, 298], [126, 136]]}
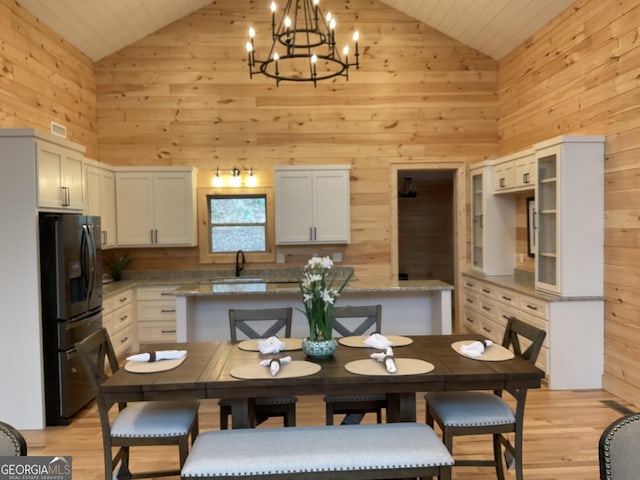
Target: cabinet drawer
{"points": [[122, 339], [534, 306], [157, 332], [489, 307], [122, 317], [107, 306], [120, 299], [506, 312], [161, 292], [471, 285], [492, 330], [164, 310], [471, 299], [508, 297], [488, 290], [472, 321]]}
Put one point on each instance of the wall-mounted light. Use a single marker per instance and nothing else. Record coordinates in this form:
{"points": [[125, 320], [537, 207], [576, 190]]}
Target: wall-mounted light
{"points": [[234, 179], [252, 180], [217, 179]]}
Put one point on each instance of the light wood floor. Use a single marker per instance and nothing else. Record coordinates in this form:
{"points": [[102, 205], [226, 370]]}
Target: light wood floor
{"points": [[562, 429]]}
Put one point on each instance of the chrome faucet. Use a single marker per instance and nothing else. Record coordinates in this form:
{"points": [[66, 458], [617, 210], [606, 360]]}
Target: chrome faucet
{"points": [[240, 261]]}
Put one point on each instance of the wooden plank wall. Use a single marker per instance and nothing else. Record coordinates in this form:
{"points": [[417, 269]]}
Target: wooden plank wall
{"points": [[425, 231], [182, 96], [43, 79], [580, 75]]}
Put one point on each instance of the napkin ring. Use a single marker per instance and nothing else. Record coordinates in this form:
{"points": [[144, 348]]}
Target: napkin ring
{"points": [[152, 357]]}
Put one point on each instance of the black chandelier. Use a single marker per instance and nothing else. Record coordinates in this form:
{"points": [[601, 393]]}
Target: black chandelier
{"points": [[303, 47]]}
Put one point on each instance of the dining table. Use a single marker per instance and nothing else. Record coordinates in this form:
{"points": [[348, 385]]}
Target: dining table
{"points": [[216, 369]]}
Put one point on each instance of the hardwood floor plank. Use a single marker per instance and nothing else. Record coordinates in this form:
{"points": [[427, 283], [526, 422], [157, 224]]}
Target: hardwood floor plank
{"points": [[561, 436]]}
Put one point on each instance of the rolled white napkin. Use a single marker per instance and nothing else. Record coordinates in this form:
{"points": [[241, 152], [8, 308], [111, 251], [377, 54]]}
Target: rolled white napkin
{"points": [[270, 345], [387, 358], [274, 364], [477, 348], [156, 356], [375, 340]]}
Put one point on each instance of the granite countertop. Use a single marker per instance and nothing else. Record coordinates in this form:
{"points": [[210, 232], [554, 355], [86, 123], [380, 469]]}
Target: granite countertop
{"points": [[209, 289], [256, 282]]}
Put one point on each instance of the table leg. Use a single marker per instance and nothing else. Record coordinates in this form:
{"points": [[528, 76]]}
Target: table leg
{"points": [[401, 407], [242, 412]]}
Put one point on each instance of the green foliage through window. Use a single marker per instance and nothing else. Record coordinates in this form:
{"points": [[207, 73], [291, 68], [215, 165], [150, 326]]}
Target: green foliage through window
{"points": [[237, 222]]}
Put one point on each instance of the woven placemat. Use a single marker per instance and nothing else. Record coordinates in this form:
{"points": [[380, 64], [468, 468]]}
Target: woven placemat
{"points": [[495, 353], [404, 366], [153, 367], [289, 344], [358, 341], [296, 368]]}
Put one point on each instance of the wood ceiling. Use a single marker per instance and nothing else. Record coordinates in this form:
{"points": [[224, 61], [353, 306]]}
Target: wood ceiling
{"points": [[99, 28]]}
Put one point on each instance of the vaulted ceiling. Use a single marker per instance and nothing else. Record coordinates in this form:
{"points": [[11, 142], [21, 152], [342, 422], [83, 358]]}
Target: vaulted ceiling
{"points": [[99, 27]]}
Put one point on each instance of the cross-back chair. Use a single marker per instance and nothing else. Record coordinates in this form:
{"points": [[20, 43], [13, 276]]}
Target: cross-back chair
{"points": [[473, 413], [135, 424], [348, 321], [261, 323]]}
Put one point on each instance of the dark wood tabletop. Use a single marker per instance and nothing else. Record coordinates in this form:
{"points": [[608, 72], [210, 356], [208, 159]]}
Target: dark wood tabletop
{"points": [[205, 374]]}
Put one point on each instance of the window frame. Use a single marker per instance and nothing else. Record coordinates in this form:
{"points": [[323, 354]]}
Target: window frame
{"points": [[204, 227]]}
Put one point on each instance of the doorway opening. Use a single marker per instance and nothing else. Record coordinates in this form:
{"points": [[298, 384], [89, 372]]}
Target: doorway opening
{"points": [[428, 222]]}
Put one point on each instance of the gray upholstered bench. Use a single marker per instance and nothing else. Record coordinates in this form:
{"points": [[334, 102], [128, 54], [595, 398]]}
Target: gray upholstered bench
{"points": [[381, 451]]}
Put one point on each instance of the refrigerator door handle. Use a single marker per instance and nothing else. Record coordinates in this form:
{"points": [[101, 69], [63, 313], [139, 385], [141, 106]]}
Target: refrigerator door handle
{"points": [[89, 259]]}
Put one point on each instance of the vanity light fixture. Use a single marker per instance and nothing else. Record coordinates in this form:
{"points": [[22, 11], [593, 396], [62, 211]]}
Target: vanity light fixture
{"points": [[235, 179]]}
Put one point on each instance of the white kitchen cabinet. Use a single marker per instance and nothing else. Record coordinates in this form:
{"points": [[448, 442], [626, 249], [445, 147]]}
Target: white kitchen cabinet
{"points": [[312, 205], [156, 319], [569, 322], [493, 230], [118, 318], [569, 216], [525, 170], [156, 206], [58, 165], [100, 199], [504, 176]]}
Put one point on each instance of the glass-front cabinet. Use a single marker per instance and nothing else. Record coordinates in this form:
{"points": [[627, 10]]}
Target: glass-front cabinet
{"points": [[493, 228], [569, 216], [477, 259]]}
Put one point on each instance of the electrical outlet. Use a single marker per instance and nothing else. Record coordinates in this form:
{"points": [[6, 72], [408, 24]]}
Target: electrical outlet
{"points": [[337, 257], [279, 257]]}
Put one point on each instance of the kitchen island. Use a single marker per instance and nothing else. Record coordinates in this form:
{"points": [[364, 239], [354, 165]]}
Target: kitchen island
{"points": [[413, 307]]}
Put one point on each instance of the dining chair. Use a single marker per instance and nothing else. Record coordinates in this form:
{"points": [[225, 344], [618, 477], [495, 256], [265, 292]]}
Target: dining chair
{"points": [[348, 321], [473, 413], [261, 323], [618, 449], [12, 443], [149, 423]]}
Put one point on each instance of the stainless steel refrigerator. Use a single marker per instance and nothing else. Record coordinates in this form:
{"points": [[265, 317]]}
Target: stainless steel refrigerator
{"points": [[71, 298]]}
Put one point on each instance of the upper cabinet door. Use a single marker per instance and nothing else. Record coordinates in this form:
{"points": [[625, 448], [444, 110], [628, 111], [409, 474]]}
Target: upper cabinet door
{"points": [[156, 207], [100, 199], [60, 177], [312, 205], [134, 207], [174, 207]]}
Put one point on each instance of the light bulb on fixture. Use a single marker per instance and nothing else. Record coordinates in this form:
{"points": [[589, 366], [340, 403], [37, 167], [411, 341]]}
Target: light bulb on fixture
{"points": [[217, 179], [235, 181], [252, 181]]}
